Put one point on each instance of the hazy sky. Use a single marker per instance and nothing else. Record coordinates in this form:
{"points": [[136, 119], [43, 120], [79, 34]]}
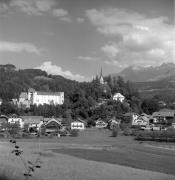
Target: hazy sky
{"points": [[75, 38]]}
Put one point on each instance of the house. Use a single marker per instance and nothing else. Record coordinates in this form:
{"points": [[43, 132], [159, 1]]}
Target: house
{"points": [[53, 125], [33, 122], [78, 124], [15, 119], [113, 123], [46, 120], [140, 121], [40, 98], [118, 97], [130, 117], [100, 124], [164, 117], [3, 120]]}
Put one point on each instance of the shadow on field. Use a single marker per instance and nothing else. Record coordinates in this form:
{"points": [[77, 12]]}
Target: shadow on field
{"points": [[4, 177], [137, 159]]}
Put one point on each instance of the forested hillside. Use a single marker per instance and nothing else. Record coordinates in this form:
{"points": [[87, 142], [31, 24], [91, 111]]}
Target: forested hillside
{"points": [[87, 100]]}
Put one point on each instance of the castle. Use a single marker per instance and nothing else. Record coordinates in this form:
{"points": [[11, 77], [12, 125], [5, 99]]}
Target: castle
{"points": [[40, 98]]}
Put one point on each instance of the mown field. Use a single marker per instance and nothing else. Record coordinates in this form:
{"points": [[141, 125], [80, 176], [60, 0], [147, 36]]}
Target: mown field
{"points": [[91, 156]]}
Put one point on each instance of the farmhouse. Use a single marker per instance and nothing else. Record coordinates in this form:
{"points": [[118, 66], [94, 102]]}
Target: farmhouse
{"points": [[53, 125], [118, 97], [164, 117], [78, 124], [140, 121], [15, 119], [33, 122], [40, 98]]}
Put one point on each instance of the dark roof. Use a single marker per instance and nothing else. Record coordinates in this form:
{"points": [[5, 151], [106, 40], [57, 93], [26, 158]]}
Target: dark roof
{"points": [[163, 114], [3, 118], [129, 113], [166, 110], [54, 120], [49, 93], [32, 119], [48, 119]]}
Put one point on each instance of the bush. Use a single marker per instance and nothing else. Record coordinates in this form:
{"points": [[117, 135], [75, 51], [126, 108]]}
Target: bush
{"points": [[164, 136], [114, 132], [124, 126], [127, 132], [74, 133]]}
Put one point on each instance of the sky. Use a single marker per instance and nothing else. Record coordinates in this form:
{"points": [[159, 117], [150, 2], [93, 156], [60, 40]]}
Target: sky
{"points": [[76, 38]]}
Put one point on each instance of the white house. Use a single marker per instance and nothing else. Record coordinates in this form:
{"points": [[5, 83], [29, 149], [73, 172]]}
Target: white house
{"points": [[41, 98], [100, 124], [15, 119], [78, 124], [140, 121], [118, 97]]}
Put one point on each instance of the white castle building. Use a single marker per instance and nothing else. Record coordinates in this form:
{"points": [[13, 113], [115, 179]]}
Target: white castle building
{"points": [[40, 98]]}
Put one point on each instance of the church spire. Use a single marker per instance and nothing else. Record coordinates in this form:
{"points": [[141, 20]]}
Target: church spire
{"points": [[101, 77], [101, 73]]}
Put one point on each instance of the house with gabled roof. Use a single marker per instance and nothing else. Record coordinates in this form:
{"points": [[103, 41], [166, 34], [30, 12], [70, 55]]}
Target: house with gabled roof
{"points": [[164, 116], [53, 125], [34, 122], [118, 97]]}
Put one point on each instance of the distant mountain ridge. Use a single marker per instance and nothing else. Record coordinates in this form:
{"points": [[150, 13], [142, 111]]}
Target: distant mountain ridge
{"points": [[151, 80], [147, 74]]}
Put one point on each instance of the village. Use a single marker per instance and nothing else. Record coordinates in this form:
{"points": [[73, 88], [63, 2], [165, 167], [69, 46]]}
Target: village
{"points": [[161, 120], [158, 121]]}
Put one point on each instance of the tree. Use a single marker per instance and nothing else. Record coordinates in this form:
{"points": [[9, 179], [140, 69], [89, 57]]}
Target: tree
{"points": [[149, 106]]}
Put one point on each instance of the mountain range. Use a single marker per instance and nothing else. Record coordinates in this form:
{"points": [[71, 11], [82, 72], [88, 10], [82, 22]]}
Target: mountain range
{"points": [[151, 80], [147, 74]]}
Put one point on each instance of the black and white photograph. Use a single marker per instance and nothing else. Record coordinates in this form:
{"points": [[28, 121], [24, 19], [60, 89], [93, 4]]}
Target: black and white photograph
{"points": [[87, 89]]}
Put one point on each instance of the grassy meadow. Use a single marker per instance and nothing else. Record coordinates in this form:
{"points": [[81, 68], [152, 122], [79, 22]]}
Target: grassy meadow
{"points": [[93, 155]]}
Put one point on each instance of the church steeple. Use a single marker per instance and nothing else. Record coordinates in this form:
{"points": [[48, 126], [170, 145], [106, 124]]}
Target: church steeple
{"points": [[101, 77], [101, 73]]}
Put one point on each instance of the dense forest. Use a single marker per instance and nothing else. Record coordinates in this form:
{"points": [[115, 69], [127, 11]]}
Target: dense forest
{"points": [[86, 100]]}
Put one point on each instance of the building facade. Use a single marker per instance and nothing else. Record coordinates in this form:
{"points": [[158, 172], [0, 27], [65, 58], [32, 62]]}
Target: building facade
{"points": [[40, 98], [118, 97]]}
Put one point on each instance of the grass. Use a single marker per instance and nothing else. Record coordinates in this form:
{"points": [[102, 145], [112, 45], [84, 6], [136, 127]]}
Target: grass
{"points": [[92, 155]]}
